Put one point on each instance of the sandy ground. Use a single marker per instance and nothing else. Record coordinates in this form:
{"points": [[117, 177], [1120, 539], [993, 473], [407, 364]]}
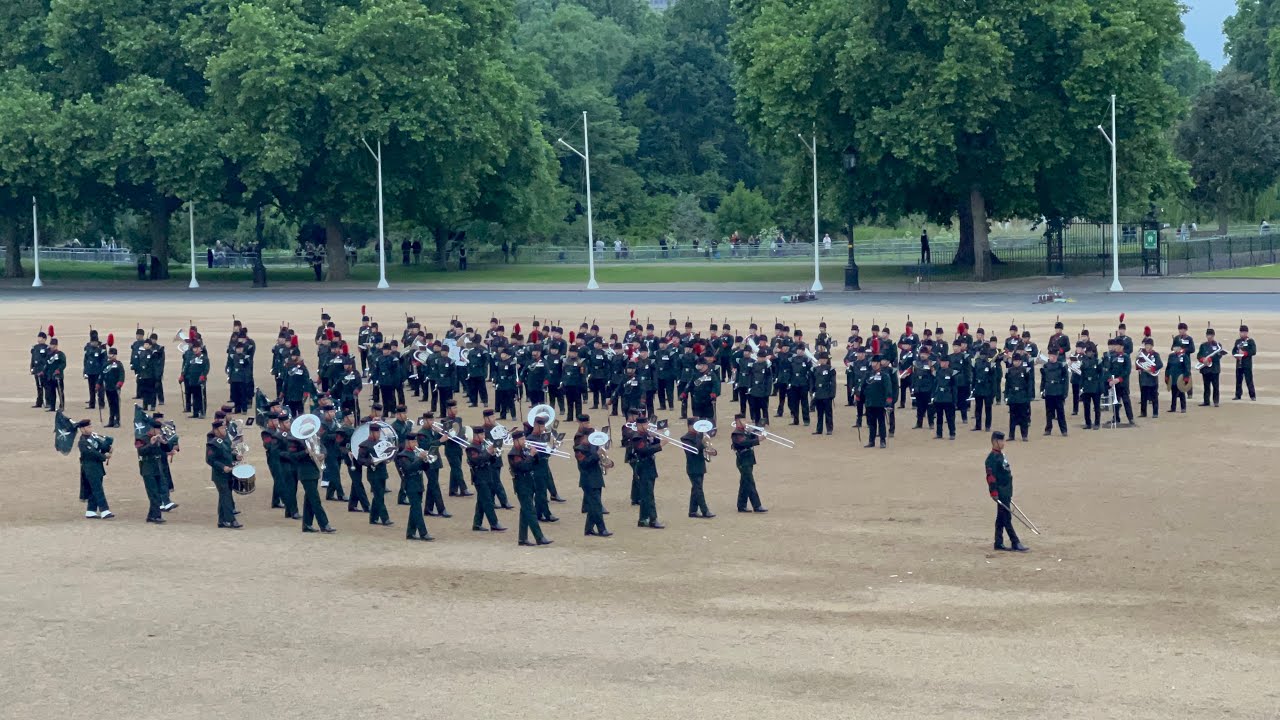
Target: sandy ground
{"points": [[870, 590]]}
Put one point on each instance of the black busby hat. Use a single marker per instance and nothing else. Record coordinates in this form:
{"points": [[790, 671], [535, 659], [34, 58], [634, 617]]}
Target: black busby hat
{"points": [[83, 423]]}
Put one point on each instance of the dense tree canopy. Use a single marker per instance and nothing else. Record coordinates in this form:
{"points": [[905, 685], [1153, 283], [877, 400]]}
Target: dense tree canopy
{"points": [[115, 113]]}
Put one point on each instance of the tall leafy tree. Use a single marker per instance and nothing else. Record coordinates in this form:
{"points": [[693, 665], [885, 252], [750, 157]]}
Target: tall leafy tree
{"points": [[1252, 43], [1184, 69], [964, 109], [27, 157], [1232, 141]]}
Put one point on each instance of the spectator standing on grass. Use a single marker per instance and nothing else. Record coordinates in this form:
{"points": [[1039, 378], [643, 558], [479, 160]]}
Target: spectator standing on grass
{"points": [[926, 257], [617, 249], [662, 243], [209, 258], [405, 248], [826, 243], [417, 252], [462, 258], [1265, 229], [506, 252]]}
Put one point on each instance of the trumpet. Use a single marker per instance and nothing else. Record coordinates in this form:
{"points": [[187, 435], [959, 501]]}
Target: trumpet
{"points": [[426, 456], [766, 435]]}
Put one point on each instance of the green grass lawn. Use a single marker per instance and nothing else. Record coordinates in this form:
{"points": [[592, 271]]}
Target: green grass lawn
{"points": [[798, 274], [1260, 271]]}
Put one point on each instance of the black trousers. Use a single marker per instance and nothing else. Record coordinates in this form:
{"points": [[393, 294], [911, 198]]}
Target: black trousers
{"points": [[484, 504], [705, 410], [357, 500], [377, 499], [1075, 398], [648, 505], [822, 408], [113, 407], [333, 476], [1244, 375], [1122, 394], [151, 481], [1019, 418], [387, 396], [904, 391], [148, 390], [1210, 383], [798, 403], [572, 401], [53, 394], [1149, 394], [1179, 398], [781, 390], [697, 500], [962, 402], [435, 501], [457, 483], [1055, 409], [666, 393], [594, 508], [945, 411], [747, 488], [597, 388], [477, 391], [97, 500], [1092, 409], [1004, 524], [981, 412], [506, 403], [39, 390], [417, 525], [312, 508], [759, 409], [241, 396], [923, 408], [875, 424], [96, 394], [445, 395], [193, 398], [536, 396]]}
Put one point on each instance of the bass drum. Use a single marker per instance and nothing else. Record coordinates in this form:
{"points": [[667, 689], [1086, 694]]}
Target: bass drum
{"points": [[244, 479]]}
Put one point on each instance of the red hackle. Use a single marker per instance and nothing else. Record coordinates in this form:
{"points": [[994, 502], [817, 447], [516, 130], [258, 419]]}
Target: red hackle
{"points": [[293, 341], [1146, 331], [328, 333], [1121, 317], [111, 340], [50, 331]]}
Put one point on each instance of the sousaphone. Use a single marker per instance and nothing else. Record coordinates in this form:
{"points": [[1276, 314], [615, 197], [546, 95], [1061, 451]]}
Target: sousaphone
{"points": [[307, 428]]}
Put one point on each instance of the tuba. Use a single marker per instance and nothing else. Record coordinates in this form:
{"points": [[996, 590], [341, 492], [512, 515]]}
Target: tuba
{"points": [[307, 429], [601, 441]]}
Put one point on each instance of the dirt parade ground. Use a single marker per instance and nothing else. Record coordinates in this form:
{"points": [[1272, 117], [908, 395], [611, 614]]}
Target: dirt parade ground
{"points": [[870, 589]]}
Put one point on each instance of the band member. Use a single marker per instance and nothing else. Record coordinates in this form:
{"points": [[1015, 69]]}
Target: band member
{"points": [[331, 442], [112, 381], [157, 367], [220, 458], [1116, 371], [521, 460], [152, 450], [410, 462], [1178, 368], [760, 387], [822, 383], [430, 441], [401, 427], [986, 382], [1245, 349], [1000, 485], [1183, 340], [298, 386], [943, 399], [195, 372], [1210, 356], [1149, 365], [39, 358], [923, 383], [481, 460], [1053, 387], [505, 380], [1077, 381], [166, 487], [493, 436], [452, 425], [539, 465], [878, 397], [385, 375], [95, 454], [1019, 388], [358, 499], [348, 387], [55, 368], [377, 470], [1092, 383], [644, 446], [695, 465], [135, 352], [744, 443], [95, 358], [703, 389], [591, 480], [798, 385], [239, 371]]}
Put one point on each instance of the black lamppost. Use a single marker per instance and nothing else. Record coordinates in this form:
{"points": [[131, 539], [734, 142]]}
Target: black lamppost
{"points": [[851, 268]]}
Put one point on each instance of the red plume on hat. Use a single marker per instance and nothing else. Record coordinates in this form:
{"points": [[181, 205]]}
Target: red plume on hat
{"points": [[345, 350], [633, 313], [293, 341], [572, 337], [363, 312], [875, 346], [516, 328], [1121, 317], [328, 333], [697, 348], [111, 340], [50, 331], [191, 335], [1146, 331]]}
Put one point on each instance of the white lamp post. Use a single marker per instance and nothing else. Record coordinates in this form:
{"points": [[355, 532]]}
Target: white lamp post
{"points": [[813, 149], [1115, 203], [382, 240], [586, 159], [35, 241], [191, 217]]}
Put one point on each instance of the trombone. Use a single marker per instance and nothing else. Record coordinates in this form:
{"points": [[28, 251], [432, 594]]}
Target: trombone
{"points": [[666, 435], [766, 435], [547, 449]]}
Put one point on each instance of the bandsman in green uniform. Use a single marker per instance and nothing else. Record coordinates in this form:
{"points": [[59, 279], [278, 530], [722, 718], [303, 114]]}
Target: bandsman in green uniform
{"points": [[521, 460], [1019, 388], [1116, 369], [1178, 367], [95, 453], [1210, 356], [644, 445], [331, 441], [822, 383], [1149, 366], [377, 470], [591, 480], [744, 443], [410, 461], [220, 458], [112, 382], [1245, 350], [695, 465], [943, 399], [152, 450], [1053, 386], [481, 459], [1000, 485], [1092, 383]]}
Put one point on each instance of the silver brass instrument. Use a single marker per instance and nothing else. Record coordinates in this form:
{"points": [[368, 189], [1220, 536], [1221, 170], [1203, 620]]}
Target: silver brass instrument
{"points": [[601, 441], [451, 435], [1201, 362], [707, 428], [766, 435], [307, 429], [183, 346], [1147, 363], [1074, 367], [384, 449], [546, 449], [544, 411]]}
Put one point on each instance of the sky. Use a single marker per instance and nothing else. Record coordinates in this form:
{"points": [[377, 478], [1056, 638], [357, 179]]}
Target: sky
{"points": [[1204, 27]]}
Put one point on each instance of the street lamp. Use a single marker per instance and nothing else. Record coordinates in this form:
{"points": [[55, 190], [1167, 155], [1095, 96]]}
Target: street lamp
{"points": [[1115, 203], [586, 159], [191, 216], [382, 240], [35, 241], [812, 147], [850, 159]]}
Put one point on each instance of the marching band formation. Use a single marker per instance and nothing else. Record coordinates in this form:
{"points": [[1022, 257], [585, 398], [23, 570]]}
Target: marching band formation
{"points": [[351, 411]]}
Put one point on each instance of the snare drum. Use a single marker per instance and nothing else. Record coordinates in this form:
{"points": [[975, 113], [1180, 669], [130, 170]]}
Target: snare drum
{"points": [[244, 479]]}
